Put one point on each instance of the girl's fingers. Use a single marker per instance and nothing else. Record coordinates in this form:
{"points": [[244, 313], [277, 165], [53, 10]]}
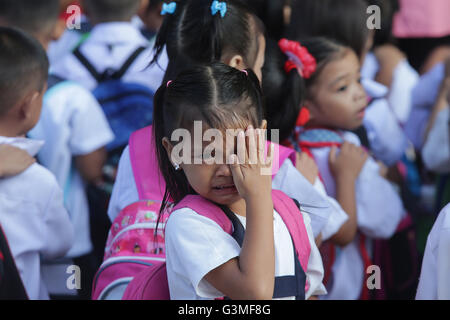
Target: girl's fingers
{"points": [[236, 171], [332, 156], [241, 148], [261, 145], [270, 155], [252, 149]]}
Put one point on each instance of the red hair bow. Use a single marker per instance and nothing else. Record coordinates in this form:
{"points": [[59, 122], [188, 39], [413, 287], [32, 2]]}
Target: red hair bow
{"points": [[298, 57]]}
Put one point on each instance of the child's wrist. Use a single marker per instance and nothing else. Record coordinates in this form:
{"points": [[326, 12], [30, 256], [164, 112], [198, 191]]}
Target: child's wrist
{"points": [[345, 178], [258, 197]]}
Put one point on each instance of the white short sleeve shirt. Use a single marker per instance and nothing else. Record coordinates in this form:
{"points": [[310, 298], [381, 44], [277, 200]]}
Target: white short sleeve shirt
{"points": [[196, 245], [34, 219], [72, 123], [435, 277]]}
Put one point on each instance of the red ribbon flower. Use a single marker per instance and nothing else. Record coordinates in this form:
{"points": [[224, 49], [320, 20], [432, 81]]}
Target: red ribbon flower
{"points": [[298, 57]]}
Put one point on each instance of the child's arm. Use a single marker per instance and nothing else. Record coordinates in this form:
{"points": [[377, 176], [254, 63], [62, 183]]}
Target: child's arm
{"points": [[252, 274], [345, 168], [389, 57], [13, 161], [442, 100], [90, 165], [57, 229], [307, 167]]}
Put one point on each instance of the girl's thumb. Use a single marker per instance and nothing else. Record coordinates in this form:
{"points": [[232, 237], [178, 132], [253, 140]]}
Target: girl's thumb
{"points": [[332, 155]]}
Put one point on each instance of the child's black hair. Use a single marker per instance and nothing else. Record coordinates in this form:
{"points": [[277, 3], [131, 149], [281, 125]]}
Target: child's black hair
{"points": [[388, 10], [23, 64], [111, 10], [220, 96], [32, 16], [193, 35], [154, 4], [284, 92], [342, 20], [271, 14]]}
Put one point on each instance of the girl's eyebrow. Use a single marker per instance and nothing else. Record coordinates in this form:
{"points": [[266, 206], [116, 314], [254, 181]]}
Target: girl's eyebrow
{"points": [[339, 79]]}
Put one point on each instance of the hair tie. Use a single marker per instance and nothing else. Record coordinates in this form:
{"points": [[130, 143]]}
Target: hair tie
{"points": [[217, 6], [168, 83], [245, 71], [289, 66], [168, 8], [303, 117], [299, 57]]}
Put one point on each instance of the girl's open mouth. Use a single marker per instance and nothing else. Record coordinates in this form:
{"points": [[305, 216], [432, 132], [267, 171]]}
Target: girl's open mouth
{"points": [[361, 113], [225, 189]]}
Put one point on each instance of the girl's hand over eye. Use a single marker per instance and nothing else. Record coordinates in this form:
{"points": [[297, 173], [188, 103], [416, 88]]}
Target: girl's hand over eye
{"points": [[251, 171], [348, 163]]}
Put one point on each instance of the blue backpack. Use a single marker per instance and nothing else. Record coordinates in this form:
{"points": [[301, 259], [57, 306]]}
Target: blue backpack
{"points": [[127, 106]]}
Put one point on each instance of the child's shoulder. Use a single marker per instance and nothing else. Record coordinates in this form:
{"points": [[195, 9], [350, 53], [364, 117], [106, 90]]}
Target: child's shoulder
{"points": [[72, 95], [351, 137], [40, 177]]}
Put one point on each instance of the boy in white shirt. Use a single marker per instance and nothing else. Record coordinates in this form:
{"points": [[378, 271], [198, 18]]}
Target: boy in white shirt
{"points": [[434, 281], [75, 132], [32, 211], [111, 42]]}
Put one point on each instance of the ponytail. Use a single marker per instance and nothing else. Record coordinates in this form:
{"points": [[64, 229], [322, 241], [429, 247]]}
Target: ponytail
{"points": [[193, 33], [284, 91]]}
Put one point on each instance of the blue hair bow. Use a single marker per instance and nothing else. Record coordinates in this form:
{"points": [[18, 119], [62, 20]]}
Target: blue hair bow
{"points": [[168, 8], [219, 7]]}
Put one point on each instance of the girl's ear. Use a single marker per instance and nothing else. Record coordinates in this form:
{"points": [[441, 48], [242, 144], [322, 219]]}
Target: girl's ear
{"points": [[237, 62], [308, 104], [27, 105], [168, 146]]}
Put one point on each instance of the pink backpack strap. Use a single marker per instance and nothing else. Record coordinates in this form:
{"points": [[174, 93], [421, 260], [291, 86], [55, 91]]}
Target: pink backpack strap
{"points": [[207, 209], [285, 207], [293, 219], [282, 154], [149, 181]]}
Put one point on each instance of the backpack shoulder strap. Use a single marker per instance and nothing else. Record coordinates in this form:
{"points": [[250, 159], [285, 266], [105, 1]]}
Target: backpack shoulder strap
{"points": [[11, 285], [281, 155], [207, 209], [292, 217], [319, 137], [127, 64], [87, 64], [149, 181], [54, 80]]}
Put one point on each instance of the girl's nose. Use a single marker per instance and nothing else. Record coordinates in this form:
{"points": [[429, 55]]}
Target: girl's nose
{"points": [[361, 93], [223, 170]]}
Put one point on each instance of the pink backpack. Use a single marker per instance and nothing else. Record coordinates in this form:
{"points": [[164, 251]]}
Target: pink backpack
{"points": [[132, 251], [152, 283]]}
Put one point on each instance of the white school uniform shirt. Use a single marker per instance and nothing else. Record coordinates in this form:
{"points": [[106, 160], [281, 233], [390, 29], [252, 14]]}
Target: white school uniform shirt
{"points": [[109, 45], [436, 150], [379, 211], [387, 140], [325, 215], [34, 219], [196, 245], [57, 49], [404, 79], [424, 97], [434, 280], [73, 124]]}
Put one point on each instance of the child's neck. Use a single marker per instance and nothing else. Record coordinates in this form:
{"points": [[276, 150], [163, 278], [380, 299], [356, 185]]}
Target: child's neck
{"points": [[10, 129], [315, 125], [239, 207]]}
